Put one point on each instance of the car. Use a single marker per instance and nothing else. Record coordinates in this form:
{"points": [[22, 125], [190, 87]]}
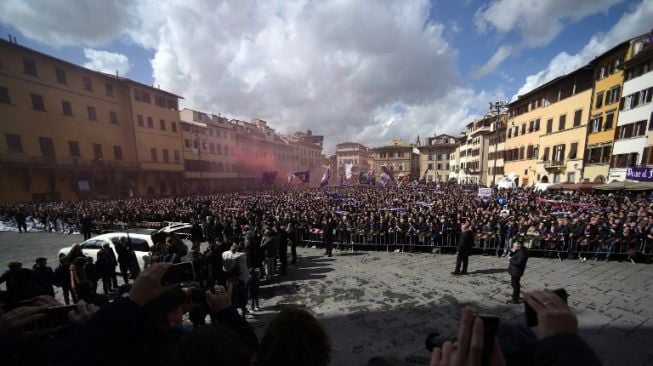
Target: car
{"points": [[181, 229], [141, 243]]}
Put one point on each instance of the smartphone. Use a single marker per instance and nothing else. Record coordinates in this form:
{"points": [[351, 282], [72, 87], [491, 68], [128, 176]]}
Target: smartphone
{"points": [[56, 316], [180, 272], [531, 315], [490, 328]]}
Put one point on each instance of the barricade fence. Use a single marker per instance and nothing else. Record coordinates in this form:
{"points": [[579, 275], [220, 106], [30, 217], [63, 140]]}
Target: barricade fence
{"points": [[485, 243], [556, 246]]}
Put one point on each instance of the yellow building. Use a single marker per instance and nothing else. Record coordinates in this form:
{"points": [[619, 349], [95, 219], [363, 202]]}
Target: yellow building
{"points": [[522, 137], [400, 157], [70, 133], [608, 76], [547, 131], [208, 144]]}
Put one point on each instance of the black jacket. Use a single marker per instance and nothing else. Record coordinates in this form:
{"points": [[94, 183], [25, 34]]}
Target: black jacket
{"points": [[466, 242], [518, 261]]}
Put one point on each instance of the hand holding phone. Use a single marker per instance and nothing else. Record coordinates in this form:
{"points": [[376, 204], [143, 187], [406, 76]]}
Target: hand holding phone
{"points": [[180, 272], [470, 348], [553, 314]]}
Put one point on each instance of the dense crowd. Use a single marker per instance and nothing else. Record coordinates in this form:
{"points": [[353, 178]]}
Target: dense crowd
{"points": [[249, 237], [584, 224]]}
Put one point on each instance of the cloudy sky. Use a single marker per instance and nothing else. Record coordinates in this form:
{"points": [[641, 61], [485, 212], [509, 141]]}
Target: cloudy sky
{"points": [[353, 70]]}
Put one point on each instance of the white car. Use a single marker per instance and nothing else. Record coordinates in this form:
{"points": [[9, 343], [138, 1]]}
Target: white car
{"points": [[181, 229], [141, 243]]}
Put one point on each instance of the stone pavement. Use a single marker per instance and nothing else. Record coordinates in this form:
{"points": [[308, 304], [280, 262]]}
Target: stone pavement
{"points": [[384, 304]]}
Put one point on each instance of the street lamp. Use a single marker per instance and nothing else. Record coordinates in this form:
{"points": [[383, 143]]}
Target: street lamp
{"points": [[497, 107]]}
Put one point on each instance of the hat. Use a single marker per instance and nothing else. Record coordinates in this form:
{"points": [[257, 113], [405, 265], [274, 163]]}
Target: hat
{"points": [[41, 259]]}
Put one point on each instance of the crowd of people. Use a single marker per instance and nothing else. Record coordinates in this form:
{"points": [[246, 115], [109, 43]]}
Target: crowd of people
{"points": [[249, 237], [584, 225]]}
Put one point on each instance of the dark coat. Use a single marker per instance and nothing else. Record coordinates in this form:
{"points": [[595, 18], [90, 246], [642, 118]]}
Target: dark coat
{"points": [[466, 242], [518, 261]]}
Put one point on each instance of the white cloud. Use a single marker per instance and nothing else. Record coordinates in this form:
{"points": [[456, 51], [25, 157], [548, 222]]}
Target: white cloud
{"points": [[336, 67], [491, 65], [538, 21], [108, 62], [68, 22], [634, 22]]}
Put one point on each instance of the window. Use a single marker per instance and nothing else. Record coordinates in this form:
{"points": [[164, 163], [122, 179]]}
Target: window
{"points": [[571, 177], [595, 124], [86, 82], [4, 95], [563, 121], [577, 117], [160, 101], [212, 148], [537, 125], [166, 156], [173, 126], [61, 76], [108, 88], [139, 118], [97, 152], [150, 122], [573, 150], [609, 121], [137, 95], [187, 143], [154, 155], [14, 144], [113, 117], [218, 149], [172, 104], [530, 152], [549, 125], [162, 124], [613, 95], [559, 153], [37, 102], [91, 113], [523, 129], [66, 108], [30, 67], [117, 152], [145, 97], [176, 156], [521, 153], [599, 100], [545, 157], [73, 147], [509, 132], [226, 149]]}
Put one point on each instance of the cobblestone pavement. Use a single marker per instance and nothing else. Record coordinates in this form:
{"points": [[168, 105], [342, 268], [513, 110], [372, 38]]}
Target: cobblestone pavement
{"points": [[383, 304]]}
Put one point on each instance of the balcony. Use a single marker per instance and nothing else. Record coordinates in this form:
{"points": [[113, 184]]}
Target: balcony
{"points": [[21, 159], [554, 164]]}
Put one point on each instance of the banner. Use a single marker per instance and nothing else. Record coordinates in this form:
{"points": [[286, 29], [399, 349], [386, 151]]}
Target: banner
{"points": [[326, 177], [484, 192], [640, 174], [388, 172], [304, 177]]}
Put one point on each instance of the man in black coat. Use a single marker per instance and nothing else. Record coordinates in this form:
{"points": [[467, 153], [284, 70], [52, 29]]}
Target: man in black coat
{"points": [[465, 244], [328, 236], [44, 276], [518, 259]]}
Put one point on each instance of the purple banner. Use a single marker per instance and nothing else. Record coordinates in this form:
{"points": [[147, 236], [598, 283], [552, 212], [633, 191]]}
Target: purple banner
{"points": [[640, 174]]}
